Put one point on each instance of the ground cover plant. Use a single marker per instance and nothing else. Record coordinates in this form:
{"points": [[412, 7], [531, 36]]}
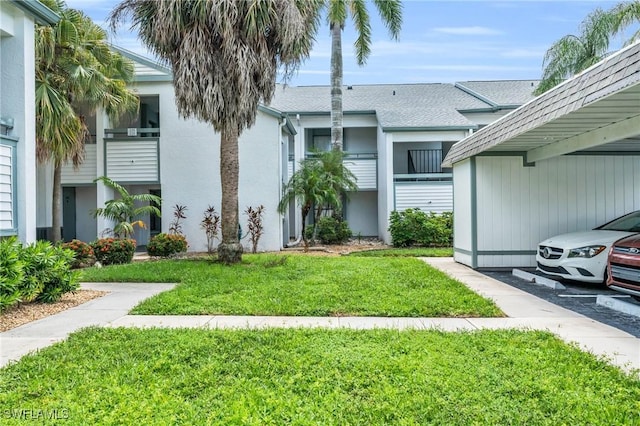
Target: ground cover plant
{"points": [[314, 376], [275, 284]]}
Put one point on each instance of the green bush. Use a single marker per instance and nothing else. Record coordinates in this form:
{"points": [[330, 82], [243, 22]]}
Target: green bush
{"points": [[47, 272], [332, 230], [84, 255], [414, 227], [39, 272], [114, 251], [11, 272], [165, 245]]}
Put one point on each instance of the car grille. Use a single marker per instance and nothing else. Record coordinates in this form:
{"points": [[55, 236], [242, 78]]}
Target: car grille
{"points": [[553, 269], [625, 274], [554, 252], [626, 250]]}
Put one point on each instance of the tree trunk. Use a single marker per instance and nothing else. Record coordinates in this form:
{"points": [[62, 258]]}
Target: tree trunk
{"points": [[230, 249], [305, 211], [316, 219], [336, 87], [56, 204]]}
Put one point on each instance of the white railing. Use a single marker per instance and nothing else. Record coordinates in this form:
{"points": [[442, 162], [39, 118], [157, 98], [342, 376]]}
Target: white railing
{"points": [[132, 160], [428, 196], [87, 171], [365, 168]]}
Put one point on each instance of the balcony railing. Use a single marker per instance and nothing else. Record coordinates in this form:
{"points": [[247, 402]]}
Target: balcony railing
{"points": [[86, 172], [424, 161], [428, 196], [133, 161]]}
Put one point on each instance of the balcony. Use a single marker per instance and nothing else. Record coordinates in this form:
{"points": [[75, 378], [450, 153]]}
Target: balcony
{"points": [[86, 172], [365, 169], [132, 155]]}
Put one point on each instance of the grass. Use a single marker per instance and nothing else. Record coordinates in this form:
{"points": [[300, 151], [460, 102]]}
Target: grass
{"points": [[312, 376], [406, 252], [302, 285]]}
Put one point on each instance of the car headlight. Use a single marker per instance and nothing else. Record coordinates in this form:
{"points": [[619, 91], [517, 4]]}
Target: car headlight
{"points": [[586, 252]]}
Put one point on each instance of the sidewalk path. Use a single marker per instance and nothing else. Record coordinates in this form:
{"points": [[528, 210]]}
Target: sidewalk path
{"points": [[524, 311]]}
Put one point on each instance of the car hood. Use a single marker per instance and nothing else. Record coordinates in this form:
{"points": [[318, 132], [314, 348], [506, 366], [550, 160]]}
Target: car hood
{"points": [[586, 238], [633, 241]]}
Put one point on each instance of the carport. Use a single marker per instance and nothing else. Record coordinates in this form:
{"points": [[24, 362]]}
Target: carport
{"points": [[567, 161]]}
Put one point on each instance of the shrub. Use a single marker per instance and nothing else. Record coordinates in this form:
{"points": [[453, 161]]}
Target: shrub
{"points": [[114, 251], [12, 272], [84, 255], [47, 272], [332, 230], [210, 223], [165, 245], [415, 227], [255, 226]]}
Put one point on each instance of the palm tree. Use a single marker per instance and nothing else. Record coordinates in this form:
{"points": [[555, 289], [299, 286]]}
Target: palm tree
{"points": [[123, 211], [225, 57], [337, 12], [320, 181], [574, 53], [75, 69]]}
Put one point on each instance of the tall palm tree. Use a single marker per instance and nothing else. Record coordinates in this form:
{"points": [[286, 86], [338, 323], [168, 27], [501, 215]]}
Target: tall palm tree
{"points": [[337, 12], [75, 69], [320, 181], [225, 57], [574, 53]]}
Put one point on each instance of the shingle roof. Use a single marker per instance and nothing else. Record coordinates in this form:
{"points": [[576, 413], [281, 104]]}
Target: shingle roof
{"points": [[612, 75], [397, 105], [502, 92]]}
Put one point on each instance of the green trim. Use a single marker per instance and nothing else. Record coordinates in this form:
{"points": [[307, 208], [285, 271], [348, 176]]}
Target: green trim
{"points": [[428, 128], [475, 94], [474, 214], [496, 109], [505, 252], [42, 14], [12, 143], [462, 251], [321, 113], [271, 111], [292, 130]]}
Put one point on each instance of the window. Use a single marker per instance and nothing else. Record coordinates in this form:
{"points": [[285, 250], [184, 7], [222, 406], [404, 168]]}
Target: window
{"points": [[8, 208]]}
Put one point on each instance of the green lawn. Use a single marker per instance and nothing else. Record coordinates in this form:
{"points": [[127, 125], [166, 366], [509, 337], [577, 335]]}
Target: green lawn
{"points": [[407, 252], [312, 376], [269, 284]]}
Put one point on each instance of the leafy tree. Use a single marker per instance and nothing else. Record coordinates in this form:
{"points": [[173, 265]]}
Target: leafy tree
{"points": [[574, 53], [337, 13], [123, 211], [75, 71], [225, 57], [321, 180]]}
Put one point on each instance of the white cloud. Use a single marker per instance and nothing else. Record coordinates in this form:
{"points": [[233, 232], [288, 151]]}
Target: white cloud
{"points": [[523, 53], [476, 30]]}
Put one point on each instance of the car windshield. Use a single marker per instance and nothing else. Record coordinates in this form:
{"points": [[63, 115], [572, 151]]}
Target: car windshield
{"points": [[628, 223]]}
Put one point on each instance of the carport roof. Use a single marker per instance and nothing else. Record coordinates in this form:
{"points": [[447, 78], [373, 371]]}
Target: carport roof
{"points": [[598, 106]]}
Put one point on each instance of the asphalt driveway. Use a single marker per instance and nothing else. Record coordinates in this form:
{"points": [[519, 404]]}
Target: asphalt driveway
{"points": [[578, 297]]}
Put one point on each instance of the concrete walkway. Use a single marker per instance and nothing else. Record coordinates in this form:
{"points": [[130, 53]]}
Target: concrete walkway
{"points": [[524, 311]]}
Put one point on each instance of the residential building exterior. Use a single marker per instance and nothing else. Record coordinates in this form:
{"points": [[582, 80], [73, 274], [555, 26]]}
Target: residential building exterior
{"points": [[395, 138], [17, 116]]}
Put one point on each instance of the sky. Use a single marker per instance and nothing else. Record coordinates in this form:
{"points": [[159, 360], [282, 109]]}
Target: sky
{"points": [[440, 41]]}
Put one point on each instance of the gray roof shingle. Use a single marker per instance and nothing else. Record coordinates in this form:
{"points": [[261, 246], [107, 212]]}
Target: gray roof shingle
{"points": [[398, 105], [502, 92]]}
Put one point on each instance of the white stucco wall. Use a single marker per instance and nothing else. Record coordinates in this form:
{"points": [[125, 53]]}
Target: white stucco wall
{"points": [[385, 183], [360, 140], [362, 213], [17, 101]]}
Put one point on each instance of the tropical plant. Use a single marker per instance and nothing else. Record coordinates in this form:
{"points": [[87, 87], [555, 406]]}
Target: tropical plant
{"points": [[75, 72], [320, 181], [337, 13], [12, 274], [84, 255], [256, 229], [413, 227], [175, 227], [123, 211], [114, 251], [165, 245], [47, 272], [211, 224], [574, 53], [225, 56], [332, 230]]}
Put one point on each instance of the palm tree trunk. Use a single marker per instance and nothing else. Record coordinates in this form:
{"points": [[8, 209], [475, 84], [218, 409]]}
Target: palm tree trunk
{"points": [[230, 249], [336, 87], [56, 204], [305, 211]]}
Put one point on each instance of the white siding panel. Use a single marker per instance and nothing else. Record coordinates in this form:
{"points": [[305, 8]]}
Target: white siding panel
{"points": [[6, 187], [290, 168], [462, 203], [520, 206], [132, 161], [365, 172], [434, 197], [86, 173]]}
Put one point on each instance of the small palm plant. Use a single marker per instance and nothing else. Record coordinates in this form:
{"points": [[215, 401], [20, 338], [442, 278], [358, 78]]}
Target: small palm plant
{"points": [[123, 211]]}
